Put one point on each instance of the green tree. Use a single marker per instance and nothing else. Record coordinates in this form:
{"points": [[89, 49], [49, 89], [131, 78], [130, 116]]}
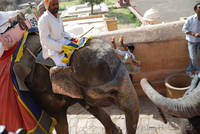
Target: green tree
{"points": [[92, 3]]}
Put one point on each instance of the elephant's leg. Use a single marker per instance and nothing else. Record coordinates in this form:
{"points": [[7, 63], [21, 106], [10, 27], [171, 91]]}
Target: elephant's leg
{"points": [[62, 124], [129, 104], [104, 118]]}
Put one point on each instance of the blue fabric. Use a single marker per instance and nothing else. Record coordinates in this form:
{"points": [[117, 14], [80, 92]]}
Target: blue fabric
{"points": [[192, 25], [193, 49], [25, 97], [125, 57], [79, 44], [33, 29]]}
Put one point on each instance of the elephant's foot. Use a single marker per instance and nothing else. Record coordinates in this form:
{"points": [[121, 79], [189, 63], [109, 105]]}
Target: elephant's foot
{"points": [[62, 124], [131, 121], [103, 117], [117, 130]]}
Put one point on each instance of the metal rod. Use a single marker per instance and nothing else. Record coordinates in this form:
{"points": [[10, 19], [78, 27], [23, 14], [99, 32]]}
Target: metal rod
{"points": [[86, 32], [33, 55]]}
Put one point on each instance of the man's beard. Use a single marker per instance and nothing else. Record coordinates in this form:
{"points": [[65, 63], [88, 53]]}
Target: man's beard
{"points": [[55, 11]]}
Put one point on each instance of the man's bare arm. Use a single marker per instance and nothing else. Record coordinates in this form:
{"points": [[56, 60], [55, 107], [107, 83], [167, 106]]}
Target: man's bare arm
{"points": [[113, 43], [194, 34]]}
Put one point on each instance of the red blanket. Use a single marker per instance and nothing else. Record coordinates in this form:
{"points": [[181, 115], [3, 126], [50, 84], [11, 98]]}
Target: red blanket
{"points": [[17, 109]]}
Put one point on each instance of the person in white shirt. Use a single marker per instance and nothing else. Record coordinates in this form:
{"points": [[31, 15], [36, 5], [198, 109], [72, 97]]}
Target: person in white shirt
{"points": [[191, 28], [128, 53], [5, 17], [51, 32]]}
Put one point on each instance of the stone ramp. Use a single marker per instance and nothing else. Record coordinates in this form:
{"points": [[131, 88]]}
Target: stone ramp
{"points": [[150, 122]]}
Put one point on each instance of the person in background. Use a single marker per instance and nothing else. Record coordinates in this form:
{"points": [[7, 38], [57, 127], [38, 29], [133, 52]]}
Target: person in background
{"points": [[7, 20], [127, 53], [192, 30], [41, 8], [51, 32]]}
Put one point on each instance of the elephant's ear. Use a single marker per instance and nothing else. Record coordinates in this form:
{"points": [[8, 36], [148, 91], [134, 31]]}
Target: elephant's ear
{"points": [[63, 83]]}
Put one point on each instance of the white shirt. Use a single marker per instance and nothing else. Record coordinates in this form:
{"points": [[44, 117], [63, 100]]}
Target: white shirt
{"points": [[4, 19], [125, 54], [52, 35], [192, 24]]}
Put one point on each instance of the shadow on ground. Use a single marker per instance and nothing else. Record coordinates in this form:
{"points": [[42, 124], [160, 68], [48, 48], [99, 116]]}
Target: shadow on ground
{"points": [[150, 121]]}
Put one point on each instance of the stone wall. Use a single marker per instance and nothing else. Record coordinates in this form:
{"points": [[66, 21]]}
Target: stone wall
{"points": [[162, 50]]}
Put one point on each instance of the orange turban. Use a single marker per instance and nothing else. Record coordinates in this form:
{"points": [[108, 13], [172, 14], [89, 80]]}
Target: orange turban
{"points": [[46, 3]]}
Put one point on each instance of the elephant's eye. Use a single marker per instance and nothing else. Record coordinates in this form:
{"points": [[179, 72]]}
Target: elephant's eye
{"points": [[113, 92]]}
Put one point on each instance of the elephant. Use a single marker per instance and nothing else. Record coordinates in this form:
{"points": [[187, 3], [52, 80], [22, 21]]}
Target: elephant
{"points": [[96, 77], [187, 107]]}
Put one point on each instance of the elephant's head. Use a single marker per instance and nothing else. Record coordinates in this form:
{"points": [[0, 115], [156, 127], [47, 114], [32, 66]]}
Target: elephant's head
{"points": [[99, 77], [185, 107], [96, 67]]}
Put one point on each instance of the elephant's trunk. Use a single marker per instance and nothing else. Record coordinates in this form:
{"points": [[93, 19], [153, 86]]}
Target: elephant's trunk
{"points": [[132, 113], [129, 104], [185, 107]]}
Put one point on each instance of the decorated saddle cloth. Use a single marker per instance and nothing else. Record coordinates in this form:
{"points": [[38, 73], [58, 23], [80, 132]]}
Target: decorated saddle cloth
{"points": [[72, 46], [17, 108]]}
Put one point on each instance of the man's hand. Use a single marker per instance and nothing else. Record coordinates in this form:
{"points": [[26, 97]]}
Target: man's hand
{"points": [[197, 35], [74, 40], [121, 40], [22, 11], [113, 42], [138, 62], [194, 34], [61, 52]]}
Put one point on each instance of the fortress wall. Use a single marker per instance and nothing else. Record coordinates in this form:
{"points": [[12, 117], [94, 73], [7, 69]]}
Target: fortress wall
{"points": [[162, 50]]}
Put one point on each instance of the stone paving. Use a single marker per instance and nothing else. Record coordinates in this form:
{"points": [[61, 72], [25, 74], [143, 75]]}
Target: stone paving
{"points": [[150, 122], [170, 10]]}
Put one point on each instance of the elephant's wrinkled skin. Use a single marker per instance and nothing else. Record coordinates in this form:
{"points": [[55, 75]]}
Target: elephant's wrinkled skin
{"points": [[101, 78], [186, 107], [102, 81]]}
